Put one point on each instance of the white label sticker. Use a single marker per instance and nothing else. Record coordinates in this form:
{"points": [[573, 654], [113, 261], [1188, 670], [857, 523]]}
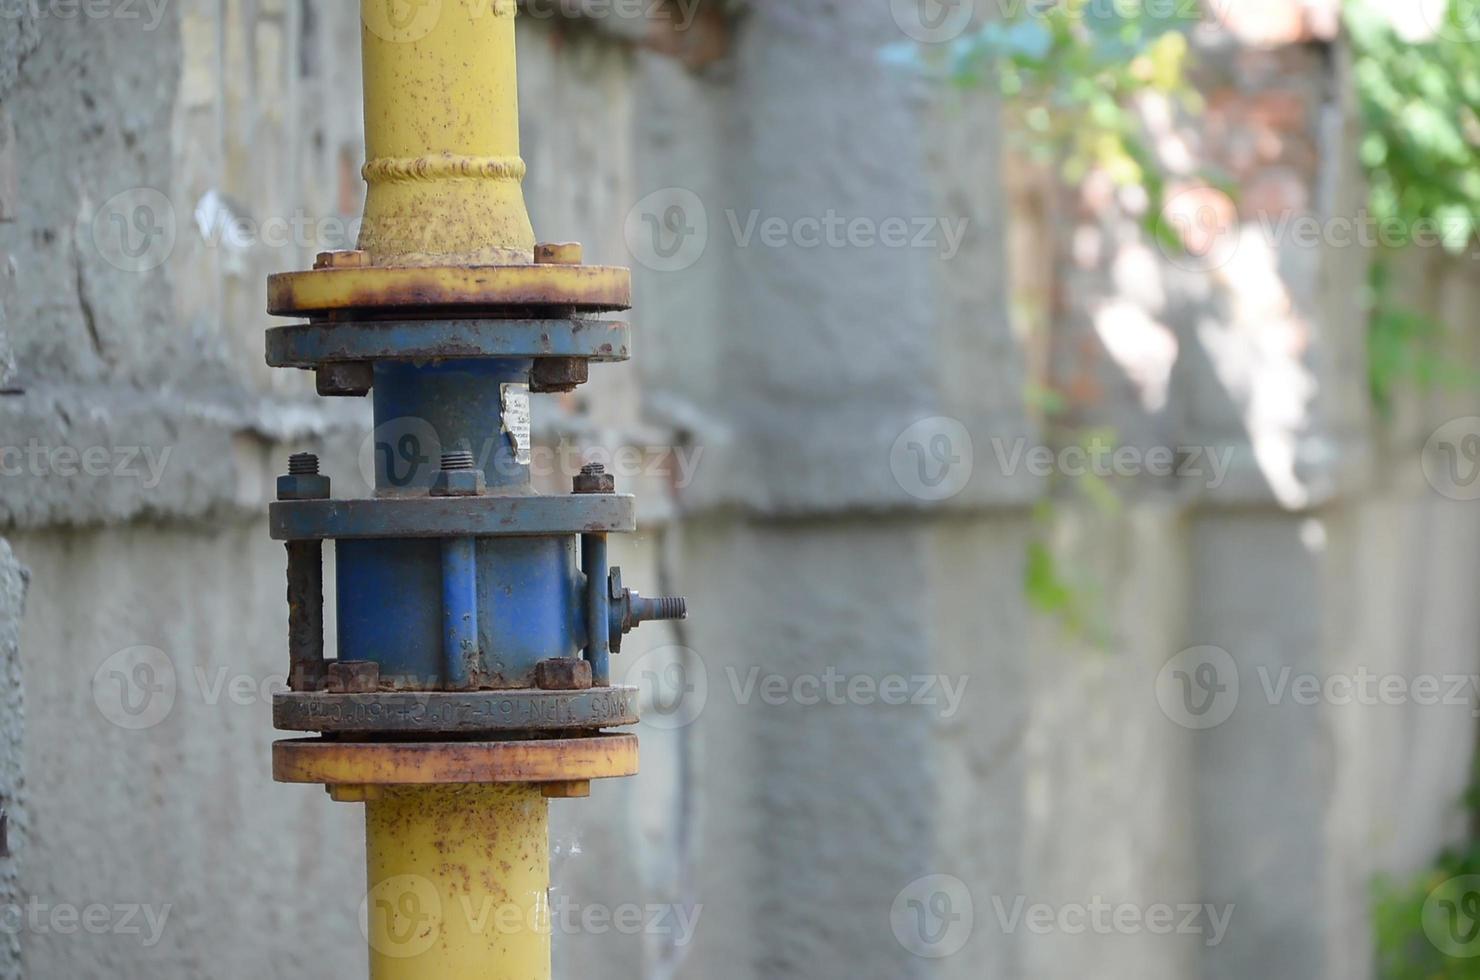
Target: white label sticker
{"points": [[515, 399]]}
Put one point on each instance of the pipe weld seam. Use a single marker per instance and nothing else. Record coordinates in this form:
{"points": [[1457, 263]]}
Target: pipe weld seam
{"points": [[448, 166]]}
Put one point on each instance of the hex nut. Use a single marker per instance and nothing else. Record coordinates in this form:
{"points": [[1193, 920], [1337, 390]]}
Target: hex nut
{"points": [[563, 674], [459, 483], [559, 374], [353, 677], [347, 379], [594, 479], [303, 486]]}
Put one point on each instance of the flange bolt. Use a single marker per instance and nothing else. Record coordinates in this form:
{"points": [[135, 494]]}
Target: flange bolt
{"points": [[303, 481], [459, 476], [594, 478], [460, 460]]}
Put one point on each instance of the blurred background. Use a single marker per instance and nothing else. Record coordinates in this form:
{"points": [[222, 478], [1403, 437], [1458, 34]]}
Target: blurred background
{"points": [[1061, 415]]}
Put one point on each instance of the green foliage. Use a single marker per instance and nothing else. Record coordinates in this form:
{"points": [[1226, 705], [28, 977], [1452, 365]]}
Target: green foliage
{"points": [[1404, 949], [1070, 72], [1420, 106]]}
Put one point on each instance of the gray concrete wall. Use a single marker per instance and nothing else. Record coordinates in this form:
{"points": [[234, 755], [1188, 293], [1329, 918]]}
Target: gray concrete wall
{"points": [[820, 536]]}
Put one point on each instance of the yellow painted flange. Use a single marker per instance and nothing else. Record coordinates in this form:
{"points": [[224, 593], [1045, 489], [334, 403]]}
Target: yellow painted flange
{"points": [[561, 760], [586, 288]]}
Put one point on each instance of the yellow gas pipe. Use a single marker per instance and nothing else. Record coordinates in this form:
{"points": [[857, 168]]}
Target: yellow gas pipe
{"points": [[442, 134], [458, 883], [458, 875]]}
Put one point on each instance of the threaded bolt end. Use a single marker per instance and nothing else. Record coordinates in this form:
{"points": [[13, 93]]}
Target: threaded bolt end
{"points": [[303, 464], [671, 607], [593, 469], [460, 460]]}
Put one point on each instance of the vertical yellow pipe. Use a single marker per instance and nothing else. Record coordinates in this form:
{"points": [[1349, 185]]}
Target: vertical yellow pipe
{"points": [[442, 134], [459, 882]]}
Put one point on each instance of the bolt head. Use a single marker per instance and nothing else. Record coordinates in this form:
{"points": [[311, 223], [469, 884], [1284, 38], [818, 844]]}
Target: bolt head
{"points": [[459, 483], [304, 486], [577, 789], [562, 674], [342, 259], [558, 253]]}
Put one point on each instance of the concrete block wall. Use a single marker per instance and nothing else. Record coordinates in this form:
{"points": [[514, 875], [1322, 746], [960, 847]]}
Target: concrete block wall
{"points": [[850, 518]]}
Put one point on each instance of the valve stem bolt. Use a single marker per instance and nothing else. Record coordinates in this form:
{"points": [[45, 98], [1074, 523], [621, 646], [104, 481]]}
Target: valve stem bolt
{"points": [[460, 460], [303, 464]]}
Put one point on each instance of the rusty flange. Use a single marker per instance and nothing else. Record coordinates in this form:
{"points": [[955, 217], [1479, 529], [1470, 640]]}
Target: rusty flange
{"points": [[449, 712], [563, 760], [416, 290]]}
